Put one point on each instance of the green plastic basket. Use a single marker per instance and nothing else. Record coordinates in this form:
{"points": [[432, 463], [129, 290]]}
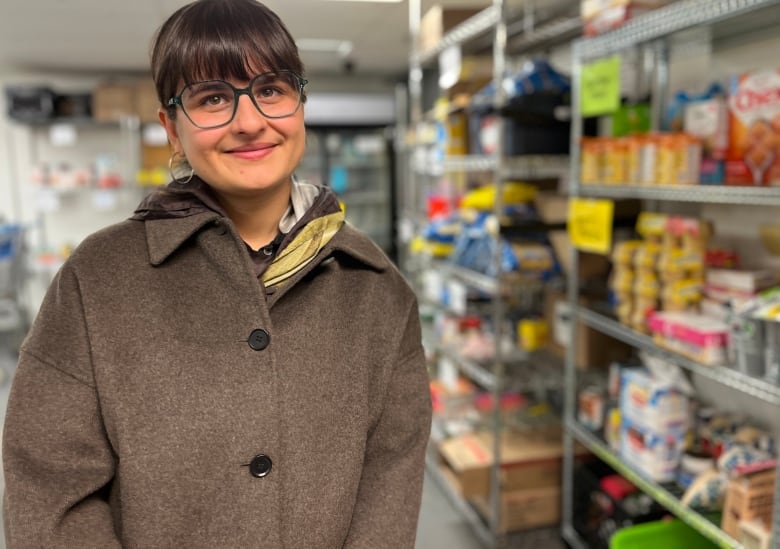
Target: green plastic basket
{"points": [[666, 534]]}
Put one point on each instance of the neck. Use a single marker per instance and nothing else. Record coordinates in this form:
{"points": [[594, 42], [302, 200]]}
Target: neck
{"points": [[257, 217]]}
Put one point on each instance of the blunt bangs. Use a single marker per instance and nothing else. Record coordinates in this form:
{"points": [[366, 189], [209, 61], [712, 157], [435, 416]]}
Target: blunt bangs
{"points": [[220, 39]]}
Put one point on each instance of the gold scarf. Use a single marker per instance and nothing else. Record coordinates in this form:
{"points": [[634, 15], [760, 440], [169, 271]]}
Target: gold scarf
{"points": [[303, 249]]}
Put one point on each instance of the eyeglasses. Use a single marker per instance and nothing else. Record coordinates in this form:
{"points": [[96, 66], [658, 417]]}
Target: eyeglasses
{"points": [[213, 103]]}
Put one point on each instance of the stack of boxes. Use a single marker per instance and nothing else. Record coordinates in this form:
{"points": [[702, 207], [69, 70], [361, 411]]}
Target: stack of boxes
{"points": [[530, 474], [115, 100]]}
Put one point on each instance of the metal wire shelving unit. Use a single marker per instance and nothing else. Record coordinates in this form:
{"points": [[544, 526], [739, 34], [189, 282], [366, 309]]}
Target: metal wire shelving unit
{"points": [[652, 30], [491, 29]]}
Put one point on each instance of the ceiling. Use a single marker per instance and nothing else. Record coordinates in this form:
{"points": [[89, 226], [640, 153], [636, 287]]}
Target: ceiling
{"points": [[114, 35]]}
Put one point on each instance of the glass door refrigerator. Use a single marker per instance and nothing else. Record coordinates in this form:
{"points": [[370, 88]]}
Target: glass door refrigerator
{"points": [[358, 164]]}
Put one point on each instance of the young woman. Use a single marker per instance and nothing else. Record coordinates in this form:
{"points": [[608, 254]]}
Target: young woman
{"points": [[234, 366]]}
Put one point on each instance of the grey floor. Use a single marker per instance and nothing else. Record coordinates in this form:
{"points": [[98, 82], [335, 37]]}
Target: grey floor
{"points": [[440, 526]]}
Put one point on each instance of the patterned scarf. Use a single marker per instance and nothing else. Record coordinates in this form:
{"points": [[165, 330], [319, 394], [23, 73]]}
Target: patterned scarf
{"points": [[303, 249]]}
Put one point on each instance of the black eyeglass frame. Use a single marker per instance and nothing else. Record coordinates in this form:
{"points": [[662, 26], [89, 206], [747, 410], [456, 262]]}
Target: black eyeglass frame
{"points": [[237, 93]]}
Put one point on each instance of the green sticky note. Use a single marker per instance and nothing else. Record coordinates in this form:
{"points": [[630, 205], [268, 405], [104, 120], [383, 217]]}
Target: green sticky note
{"points": [[601, 87]]}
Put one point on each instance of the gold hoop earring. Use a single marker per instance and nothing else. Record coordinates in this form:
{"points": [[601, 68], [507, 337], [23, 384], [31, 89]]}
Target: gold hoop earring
{"points": [[176, 162]]}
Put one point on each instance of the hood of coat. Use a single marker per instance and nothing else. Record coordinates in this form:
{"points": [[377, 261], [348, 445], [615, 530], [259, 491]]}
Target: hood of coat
{"points": [[177, 212]]}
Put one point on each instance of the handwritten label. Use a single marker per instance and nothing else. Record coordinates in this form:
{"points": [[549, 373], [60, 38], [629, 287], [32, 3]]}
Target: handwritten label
{"points": [[601, 87], [590, 224]]}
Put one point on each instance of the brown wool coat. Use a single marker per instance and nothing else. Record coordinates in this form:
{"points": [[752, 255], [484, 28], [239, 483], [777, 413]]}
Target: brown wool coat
{"points": [[138, 403]]}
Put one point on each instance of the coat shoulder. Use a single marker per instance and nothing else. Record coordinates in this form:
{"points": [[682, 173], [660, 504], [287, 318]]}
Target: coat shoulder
{"points": [[111, 246], [355, 244]]}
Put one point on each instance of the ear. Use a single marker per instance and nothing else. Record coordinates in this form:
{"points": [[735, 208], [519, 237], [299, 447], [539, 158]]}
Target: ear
{"points": [[170, 128]]}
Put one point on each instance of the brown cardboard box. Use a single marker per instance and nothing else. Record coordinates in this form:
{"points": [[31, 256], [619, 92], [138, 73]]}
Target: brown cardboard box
{"points": [[552, 207], [113, 101], [475, 73], [437, 21], [748, 497], [594, 349], [155, 157], [529, 461], [524, 509], [146, 102], [590, 265]]}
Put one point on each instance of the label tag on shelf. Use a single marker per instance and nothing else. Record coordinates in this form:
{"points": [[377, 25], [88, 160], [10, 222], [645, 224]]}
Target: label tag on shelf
{"points": [[590, 224], [600, 85]]}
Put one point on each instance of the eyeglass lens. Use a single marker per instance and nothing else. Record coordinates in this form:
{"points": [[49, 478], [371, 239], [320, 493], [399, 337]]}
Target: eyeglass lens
{"points": [[212, 103]]}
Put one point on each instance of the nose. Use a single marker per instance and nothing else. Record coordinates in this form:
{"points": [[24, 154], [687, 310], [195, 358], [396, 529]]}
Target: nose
{"points": [[248, 118]]}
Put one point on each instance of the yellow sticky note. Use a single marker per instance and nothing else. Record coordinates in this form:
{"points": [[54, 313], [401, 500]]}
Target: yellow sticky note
{"points": [[590, 224], [600, 86]]}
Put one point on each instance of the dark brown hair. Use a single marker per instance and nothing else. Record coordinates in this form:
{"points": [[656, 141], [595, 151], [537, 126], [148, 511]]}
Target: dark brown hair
{"points": [[220, 39]]}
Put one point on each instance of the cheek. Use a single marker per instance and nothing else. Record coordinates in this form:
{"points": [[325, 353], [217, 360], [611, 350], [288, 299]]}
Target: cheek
{"points": [[297, 134], [196, 145]]}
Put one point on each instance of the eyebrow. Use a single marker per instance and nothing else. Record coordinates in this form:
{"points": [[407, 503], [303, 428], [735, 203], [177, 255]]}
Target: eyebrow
{"points": [[206, 85]]}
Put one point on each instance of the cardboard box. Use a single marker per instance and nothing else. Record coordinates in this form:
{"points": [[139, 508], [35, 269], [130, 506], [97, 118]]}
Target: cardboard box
{"points": [[155, 157], [111, 102], [594, 349], [754, 129], [525, 509], [146, 102], [708, 120], [590, 265], [528, 461], [476, 72], [552, 207], [438, 20], [754, 535], [748, 497], [600, 16]]}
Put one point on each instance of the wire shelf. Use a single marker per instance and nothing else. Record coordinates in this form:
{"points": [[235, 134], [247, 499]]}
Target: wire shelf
{"points": [[705, 194], [729, 377], [470, 29], [659, 493]]}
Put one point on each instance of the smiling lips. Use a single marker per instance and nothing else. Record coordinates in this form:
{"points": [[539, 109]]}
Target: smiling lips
{"points": [[253, 152]]}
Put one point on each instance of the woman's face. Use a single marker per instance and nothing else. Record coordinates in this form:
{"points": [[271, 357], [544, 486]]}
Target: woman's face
{"points": [[251, 153]]}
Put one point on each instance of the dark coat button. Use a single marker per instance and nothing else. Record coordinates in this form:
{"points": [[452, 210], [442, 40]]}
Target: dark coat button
{"points": [[259, 339], [260, 466], [221, 227]]}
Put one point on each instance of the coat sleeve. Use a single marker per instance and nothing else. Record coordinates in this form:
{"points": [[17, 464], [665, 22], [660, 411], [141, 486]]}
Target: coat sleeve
{"points": [[389, 496], [57, 460]]}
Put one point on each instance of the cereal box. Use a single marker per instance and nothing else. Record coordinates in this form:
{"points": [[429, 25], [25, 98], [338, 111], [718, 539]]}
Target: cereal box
{"points": [[708, 120], [754, 129]]}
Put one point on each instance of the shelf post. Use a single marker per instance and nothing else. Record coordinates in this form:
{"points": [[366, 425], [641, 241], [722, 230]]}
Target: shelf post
{"points": [[499, 102], [572, 294]]}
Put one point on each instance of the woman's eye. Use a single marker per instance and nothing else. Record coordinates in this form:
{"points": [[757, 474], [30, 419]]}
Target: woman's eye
{"points": [[269, 92], [213, 100]]}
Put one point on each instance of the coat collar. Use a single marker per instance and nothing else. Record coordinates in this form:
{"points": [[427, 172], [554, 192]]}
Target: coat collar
{"points": [[165, 236], [349, 241]]}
